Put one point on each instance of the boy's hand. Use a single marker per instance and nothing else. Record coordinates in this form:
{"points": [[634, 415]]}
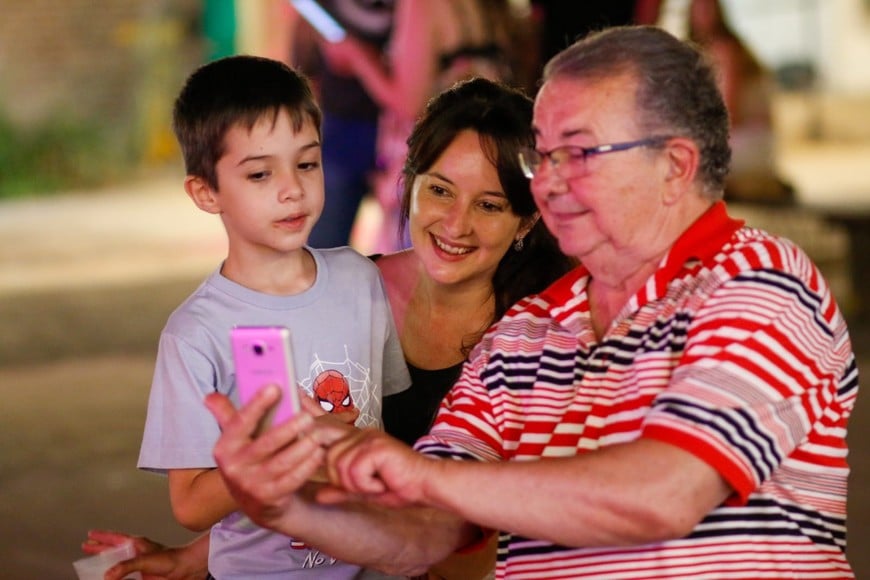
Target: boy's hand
{"points": [[155, 561], [101, 540]]}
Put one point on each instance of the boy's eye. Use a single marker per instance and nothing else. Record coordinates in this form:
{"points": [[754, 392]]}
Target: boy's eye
{"points": [[308, 165], [258, 175]]}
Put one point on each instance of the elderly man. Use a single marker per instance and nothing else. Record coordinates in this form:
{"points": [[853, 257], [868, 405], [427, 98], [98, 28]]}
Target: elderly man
{"points": [[674, 408]]}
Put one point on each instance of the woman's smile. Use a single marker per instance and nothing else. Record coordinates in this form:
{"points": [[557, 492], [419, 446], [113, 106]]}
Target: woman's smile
{"points": [[450, 248]]}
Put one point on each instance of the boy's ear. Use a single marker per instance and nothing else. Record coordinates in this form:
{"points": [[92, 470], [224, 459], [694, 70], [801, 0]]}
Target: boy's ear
{"points": [[202, 194]]}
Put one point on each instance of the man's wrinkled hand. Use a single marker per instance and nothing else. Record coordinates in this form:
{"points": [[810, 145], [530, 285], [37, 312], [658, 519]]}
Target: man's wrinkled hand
{"points": [[263, 472]]}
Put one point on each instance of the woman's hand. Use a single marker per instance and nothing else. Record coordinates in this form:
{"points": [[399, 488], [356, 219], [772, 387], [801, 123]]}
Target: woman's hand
{"points": [[347, 56]]}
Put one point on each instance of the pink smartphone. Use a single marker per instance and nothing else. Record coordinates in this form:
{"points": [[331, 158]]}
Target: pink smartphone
{"points": [[263, 356]]}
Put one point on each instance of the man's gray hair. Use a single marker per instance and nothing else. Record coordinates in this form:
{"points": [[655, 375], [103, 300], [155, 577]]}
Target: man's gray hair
{"points": [[677, 92]]}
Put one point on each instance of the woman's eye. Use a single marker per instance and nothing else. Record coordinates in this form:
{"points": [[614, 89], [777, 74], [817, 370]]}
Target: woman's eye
{"points": [[438, 190], [491, 207], [308, 165]]}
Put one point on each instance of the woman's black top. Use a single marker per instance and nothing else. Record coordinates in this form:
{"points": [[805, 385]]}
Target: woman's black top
{"points": [[409, 415]]}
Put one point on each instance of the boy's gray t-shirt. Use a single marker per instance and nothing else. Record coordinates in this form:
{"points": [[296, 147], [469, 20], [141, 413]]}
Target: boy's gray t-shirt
{"points": [[342, 323]]}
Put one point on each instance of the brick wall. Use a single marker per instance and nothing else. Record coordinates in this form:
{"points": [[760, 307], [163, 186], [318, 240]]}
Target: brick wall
{"points": [[94, 58]]}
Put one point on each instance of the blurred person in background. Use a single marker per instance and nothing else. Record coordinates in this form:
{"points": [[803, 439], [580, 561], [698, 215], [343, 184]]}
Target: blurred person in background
{"points": [[560, 23], [350, 114], [747, 88], [432, 45]]}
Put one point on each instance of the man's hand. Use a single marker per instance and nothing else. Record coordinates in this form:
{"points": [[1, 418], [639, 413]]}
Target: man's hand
{"points": [[263, 473], [370, 465], [267, 476]]}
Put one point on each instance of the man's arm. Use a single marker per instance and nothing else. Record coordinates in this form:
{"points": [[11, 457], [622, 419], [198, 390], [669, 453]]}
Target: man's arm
{"points": [[635, 493], [269, 478]]}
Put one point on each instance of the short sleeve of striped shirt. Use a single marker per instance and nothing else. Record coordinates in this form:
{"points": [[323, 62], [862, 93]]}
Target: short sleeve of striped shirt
{"points": [[760, 380]]}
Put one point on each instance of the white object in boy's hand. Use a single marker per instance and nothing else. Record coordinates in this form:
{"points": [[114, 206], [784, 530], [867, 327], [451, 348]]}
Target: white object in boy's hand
{"points": [[94, 567]]}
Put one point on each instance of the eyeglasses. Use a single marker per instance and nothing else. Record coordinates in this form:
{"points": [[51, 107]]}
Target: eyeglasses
{"points": [[531, 159]]}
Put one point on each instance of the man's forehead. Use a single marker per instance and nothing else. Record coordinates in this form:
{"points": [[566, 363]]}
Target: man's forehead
{"points": [[566, 101], [567, 87]]}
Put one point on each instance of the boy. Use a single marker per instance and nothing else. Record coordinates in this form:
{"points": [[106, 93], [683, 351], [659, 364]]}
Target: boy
{"points": [[249, 130]]}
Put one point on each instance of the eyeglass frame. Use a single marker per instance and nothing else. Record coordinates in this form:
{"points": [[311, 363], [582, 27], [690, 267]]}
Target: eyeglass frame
{"points": [[578, 153]]}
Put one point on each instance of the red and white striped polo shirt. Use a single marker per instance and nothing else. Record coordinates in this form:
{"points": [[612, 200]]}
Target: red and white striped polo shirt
{"points": [[734, 351]]}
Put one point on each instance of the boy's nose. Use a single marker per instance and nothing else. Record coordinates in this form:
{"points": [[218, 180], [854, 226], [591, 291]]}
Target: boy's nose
{"points": [[291, 189]]}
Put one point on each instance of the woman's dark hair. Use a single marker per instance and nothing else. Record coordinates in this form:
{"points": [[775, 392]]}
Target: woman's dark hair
{"points": [[502, 117]]}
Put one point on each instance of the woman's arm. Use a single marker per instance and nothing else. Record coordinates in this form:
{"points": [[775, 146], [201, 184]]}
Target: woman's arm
{"points": [[402, 84]]}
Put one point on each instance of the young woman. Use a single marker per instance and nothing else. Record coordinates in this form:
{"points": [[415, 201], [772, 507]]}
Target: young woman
{"points": [[477, 243]]}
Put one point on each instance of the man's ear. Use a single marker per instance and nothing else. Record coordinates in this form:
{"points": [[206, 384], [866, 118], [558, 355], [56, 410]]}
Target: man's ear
{"points": [[683, 158], [202, 194]]}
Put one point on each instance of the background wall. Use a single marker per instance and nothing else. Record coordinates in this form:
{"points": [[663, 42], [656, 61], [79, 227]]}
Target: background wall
{"points": [[831, 35], [115, 66]]}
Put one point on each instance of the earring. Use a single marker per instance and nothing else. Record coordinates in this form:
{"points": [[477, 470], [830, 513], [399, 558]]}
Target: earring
{"points": [[518, 245]]}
